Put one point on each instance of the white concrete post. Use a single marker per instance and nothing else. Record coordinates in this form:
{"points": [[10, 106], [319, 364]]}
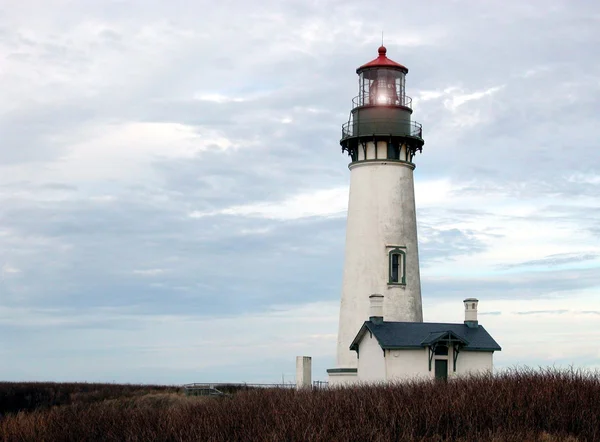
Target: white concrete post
{"points": [[303, 372]]}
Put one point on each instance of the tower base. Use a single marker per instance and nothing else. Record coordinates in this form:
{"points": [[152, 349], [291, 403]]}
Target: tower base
{"points": [[342, 376]]}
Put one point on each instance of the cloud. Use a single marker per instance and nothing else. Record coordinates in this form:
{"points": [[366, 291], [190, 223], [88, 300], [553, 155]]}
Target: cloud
{"points": [[542, 312], [149, 272], [454, 97], [162, 182], [515, 286], [439, 244], [218, 98], [328, 203], [556, 260], [165, 347]]}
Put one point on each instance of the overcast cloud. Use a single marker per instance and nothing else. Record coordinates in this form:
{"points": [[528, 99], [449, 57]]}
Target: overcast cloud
{"points": [[173, 194]]}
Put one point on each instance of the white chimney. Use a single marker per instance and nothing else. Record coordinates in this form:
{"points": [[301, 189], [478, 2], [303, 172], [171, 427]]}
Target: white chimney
{"points": [[471, 312], [376, 309]]}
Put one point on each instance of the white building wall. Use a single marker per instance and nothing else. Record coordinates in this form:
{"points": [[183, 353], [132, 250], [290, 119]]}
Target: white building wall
{"points": [[371, 363], [412, 364], [474, 362], [381, 215], [404, 365]]}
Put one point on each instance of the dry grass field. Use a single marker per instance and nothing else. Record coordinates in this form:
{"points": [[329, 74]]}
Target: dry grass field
{"points": [[526, 405]]}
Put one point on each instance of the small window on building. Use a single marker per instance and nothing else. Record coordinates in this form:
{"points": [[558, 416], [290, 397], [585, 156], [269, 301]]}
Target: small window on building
{"points": [[473, 306], [397, 267]]}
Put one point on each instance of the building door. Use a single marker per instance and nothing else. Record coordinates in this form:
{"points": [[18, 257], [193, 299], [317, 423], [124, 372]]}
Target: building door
{"points": [[441, 369]]}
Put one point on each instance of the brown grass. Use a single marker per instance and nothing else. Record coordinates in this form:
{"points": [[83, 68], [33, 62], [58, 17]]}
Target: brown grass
{"points": [[27, 396], [518, 406]]}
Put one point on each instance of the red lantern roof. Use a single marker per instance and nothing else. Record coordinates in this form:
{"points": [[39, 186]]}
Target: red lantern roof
{"points": [[383, 62]]}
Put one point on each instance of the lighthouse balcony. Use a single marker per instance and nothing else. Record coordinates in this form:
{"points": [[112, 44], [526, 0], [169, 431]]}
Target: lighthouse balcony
{"points": [[379, 127], [366, 99]]}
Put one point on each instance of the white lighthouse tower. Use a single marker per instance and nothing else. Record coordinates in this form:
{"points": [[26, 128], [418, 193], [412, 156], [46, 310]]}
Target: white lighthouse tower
{"points": [[381, 239]]}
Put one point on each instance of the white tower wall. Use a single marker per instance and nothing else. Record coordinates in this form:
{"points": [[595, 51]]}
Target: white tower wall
{"points": [[381, 217]]}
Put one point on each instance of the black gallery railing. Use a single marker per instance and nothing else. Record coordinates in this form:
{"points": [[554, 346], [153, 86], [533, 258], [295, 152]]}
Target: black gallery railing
{"points": [[382, 126]]}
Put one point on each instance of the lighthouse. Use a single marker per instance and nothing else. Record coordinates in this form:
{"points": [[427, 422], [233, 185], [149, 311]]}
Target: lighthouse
{"points": [[381, 256]]}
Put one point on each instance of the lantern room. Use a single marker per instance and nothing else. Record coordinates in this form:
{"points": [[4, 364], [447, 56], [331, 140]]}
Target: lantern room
{"points": [[381, 82], [380, 126]]}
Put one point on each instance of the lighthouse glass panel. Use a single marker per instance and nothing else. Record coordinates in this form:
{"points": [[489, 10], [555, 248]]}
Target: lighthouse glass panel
{"points": [[381, 87]]}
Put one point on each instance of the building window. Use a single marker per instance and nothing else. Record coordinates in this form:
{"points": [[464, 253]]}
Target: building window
{"points": [[397, 259]]}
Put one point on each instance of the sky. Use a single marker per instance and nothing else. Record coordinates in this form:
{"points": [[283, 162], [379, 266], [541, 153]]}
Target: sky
{"points": [[173, 193]]}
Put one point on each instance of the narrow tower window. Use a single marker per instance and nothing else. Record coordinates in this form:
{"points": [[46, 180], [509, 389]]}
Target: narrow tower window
{"points": [[397, 266], [393, 151]]}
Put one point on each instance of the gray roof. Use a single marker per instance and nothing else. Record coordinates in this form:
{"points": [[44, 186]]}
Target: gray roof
{"points": [[392, 335]]}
